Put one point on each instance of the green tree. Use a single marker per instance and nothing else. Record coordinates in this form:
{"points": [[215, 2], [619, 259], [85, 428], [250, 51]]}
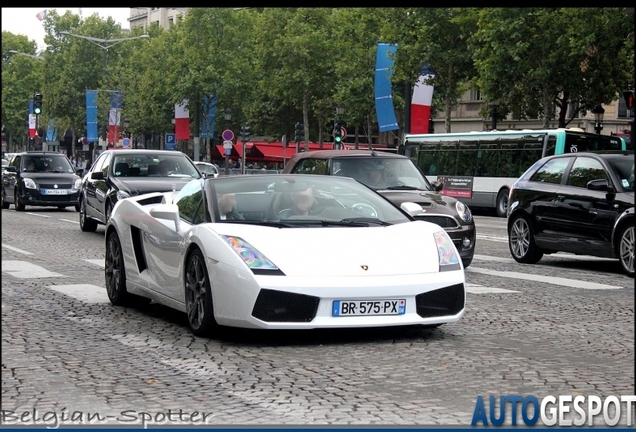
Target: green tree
{"points": [[532, 59], [437, 38], [22, 76]]}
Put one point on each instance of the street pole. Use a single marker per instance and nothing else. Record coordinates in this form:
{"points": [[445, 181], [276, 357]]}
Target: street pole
{"points": [[104, 44]]}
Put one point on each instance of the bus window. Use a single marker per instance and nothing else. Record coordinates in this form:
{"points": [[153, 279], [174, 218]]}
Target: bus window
{"points": [[550, 147], [466, 157], [488, 160]]}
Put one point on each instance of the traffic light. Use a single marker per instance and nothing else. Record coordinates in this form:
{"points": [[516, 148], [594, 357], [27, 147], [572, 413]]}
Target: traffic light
{"points": [[629, 99], [245, 133], [337, 133], [37, 104], [299, 132]]}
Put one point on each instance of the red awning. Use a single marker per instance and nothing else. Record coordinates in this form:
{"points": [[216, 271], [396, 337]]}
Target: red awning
{"points": [[218, 152]]}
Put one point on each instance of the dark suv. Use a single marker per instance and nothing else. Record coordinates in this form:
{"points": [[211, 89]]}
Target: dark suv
{"points": [[37, 178], [398, 179]]}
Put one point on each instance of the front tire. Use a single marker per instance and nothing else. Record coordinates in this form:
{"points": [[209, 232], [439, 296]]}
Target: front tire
{"points": [[115, 275], [502, 203], [521, 241], [19, 205], [86, 224], [625, 249], [199, 307]]}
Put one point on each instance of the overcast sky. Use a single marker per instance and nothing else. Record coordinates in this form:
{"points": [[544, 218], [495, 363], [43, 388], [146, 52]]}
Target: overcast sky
{"points": [[24, 20]]}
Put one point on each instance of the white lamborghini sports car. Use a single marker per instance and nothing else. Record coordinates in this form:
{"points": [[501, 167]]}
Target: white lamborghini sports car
{"points": [[284, 251]]}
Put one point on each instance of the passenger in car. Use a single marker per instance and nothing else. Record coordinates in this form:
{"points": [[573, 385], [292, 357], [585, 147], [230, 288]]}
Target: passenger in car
{"points": [[227, 207]]}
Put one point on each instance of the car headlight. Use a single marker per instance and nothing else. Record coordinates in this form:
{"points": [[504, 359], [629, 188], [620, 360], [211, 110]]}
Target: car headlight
{"points": [[463, 211], [77, 185], [122, 195], [249, 254], [448, 259], [29, 184]]}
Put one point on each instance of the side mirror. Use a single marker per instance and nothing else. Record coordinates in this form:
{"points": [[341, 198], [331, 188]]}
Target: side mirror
{"points": [[11, 169], [97, 175], [166, 211], [603, 185], [79, 172], [437, 186]]}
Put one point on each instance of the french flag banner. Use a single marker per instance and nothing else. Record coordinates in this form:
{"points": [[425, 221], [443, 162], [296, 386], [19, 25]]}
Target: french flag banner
{"points": [[421, 103], [114, 116], [42, 14], [182, 121], [32, 120]]}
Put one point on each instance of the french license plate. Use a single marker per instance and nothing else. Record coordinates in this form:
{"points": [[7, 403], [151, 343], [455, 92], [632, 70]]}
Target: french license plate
{"points": [[54, 192], [368, 307]]}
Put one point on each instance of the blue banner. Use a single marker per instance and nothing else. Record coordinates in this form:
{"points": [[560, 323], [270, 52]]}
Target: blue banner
{"points": [[51, 131], [383, 95], [116, 99], [30, 106], [209, 108], [91, 116]]}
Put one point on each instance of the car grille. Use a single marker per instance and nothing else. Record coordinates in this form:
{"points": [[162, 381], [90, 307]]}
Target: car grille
{"points": [[441, 302], [280, 306], [441, 220], [59, 185]]}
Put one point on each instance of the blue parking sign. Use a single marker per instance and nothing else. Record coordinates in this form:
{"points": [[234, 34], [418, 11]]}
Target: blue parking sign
{"points": [[171, 142]]}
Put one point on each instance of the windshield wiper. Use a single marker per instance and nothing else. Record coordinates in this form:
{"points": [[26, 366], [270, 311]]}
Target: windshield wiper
{"points": [[355, 222], [403, 187]]}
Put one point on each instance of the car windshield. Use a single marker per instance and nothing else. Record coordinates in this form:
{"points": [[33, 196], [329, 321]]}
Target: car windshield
{"points": [[381, 173], [153, 165], [56, 163], [207, 168], [289, 200], [624, 169]]}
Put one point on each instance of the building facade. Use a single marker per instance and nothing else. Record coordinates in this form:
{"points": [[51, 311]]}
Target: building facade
{"points": [[163, 17]]}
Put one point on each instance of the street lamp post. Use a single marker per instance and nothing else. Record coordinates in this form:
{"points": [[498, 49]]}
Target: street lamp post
{"points": [[228, 117], [598, 112], [338, 128], [25, 54], [493, 113], [105, 45], [126, 125]]}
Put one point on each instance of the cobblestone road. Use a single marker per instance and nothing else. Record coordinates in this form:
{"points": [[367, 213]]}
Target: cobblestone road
{"points": [[564, 326]]}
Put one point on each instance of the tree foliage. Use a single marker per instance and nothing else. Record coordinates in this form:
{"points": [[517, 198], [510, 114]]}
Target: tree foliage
{"points": [[276, 66]]}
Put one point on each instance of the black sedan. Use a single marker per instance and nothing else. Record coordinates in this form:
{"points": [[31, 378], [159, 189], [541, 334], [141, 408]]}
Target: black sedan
{"points": [[581, 203], [399, 180], [38, 178], [119, 174]]}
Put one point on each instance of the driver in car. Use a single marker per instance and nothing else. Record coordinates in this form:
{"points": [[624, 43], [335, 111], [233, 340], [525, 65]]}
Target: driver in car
{"points": [[376, 175], [304, 204]]}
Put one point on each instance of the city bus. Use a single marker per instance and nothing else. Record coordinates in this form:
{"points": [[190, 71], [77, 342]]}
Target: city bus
{"points": [[478, 168]]}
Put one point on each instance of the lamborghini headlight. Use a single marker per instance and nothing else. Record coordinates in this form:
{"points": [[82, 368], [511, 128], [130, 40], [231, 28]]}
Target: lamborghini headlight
{"points": [[254, 259], [448, 259]]}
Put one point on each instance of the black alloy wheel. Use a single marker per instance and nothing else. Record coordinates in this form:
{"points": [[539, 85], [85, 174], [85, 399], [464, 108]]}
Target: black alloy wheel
{"points": [[86, 224], [115, 273], [521, 241], [198, 296]]}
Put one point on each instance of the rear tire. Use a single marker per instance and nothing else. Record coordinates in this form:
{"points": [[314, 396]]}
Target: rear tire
{"points": [[625, 249], [521, 241], [5, 204], [502, 203], [115, 275]]}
